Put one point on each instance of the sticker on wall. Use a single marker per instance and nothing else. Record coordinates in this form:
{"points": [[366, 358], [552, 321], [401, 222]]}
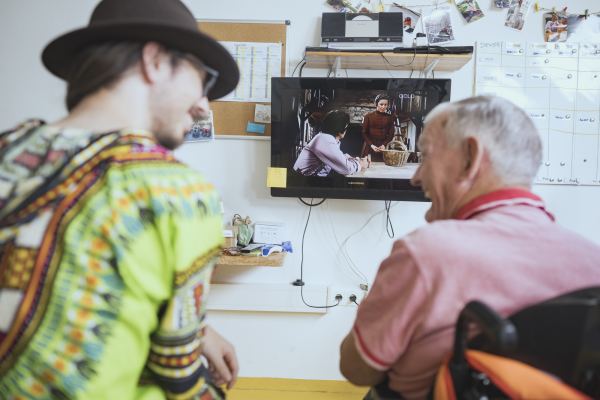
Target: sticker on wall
{"points": [[251, 127], [438, 26], [277, 177], [469, 9], [202, 130], [517, 12]]}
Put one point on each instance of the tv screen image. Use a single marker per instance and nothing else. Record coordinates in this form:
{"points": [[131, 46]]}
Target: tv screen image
{"points": [[329, 134]]}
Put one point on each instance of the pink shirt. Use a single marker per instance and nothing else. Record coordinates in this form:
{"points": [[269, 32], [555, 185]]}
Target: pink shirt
{"points": [[503, 248]]}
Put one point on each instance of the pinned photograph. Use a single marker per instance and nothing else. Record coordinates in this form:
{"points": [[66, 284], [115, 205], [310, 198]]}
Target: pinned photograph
{"points": [[438, 26], [262, 113], [555, 27], [582, 29], [502, 3], [342, 5], [358, 7], [517, 11], [202, 130], [469, 9]]}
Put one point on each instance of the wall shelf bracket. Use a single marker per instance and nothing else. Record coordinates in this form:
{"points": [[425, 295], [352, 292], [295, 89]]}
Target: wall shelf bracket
{"points": [[335, 67], [430, 67]]}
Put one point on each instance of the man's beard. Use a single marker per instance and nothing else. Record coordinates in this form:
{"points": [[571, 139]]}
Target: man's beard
{"points": [[168, 140]]}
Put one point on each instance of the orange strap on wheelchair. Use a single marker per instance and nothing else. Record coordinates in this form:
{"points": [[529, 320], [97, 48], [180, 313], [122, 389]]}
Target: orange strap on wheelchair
{"points": [[516, 379], [444, 389]]}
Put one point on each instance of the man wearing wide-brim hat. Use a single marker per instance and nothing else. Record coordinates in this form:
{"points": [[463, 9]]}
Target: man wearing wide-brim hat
{"points": [[107, 243]]}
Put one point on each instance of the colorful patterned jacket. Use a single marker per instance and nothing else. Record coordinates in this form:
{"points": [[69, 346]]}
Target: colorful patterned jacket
{"points": [[107, 244]]}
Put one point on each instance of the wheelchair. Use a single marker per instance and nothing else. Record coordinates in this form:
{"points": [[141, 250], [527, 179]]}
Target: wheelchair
{"points": [[550, 350]]}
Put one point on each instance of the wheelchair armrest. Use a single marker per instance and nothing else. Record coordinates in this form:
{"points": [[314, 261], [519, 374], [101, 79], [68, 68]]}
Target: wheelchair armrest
{"points": [[500, 332]]}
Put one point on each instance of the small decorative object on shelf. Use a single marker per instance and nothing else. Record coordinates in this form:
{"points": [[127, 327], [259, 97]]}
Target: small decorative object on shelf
{"points": [[243, 229]]}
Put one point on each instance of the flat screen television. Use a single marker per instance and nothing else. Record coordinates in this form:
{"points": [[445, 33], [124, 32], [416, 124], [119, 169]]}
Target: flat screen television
{"points": [[299, 107]]}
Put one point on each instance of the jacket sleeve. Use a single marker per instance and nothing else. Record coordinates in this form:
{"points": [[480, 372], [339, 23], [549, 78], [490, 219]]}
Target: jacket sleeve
{"points": [[176, 346], [330, 153]]}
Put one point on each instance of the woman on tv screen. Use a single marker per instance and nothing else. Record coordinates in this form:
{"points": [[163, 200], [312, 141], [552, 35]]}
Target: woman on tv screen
{"points": [[378, 129]]}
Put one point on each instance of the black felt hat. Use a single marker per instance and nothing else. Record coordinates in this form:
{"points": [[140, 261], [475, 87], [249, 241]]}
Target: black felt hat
{"points": [[168, 22]]}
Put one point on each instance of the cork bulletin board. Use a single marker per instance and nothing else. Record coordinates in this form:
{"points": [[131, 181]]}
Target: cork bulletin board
{"points": [[232, 117]]}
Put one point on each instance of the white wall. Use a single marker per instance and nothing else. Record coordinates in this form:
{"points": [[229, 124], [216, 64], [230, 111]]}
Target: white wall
{"points": [[269, 344]]}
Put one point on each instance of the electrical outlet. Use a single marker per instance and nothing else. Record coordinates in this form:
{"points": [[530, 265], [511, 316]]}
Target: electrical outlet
{"points": [[346, 292]]}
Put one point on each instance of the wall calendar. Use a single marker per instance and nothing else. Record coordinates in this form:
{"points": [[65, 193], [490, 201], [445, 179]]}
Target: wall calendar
{"points": [[558, 85]]}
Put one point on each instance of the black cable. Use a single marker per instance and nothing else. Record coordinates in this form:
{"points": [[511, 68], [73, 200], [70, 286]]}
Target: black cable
{"points": [[296, 67], [311, 204], [389, 228], [401, 65], [353, 299], [300, 282], [301, 68]]}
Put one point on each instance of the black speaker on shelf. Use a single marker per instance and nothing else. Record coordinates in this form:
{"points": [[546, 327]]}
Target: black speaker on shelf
{"points": [[362, 27]]}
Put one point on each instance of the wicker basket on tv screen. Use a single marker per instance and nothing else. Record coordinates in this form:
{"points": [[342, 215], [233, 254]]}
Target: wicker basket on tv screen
{"points": [[395, 154]]}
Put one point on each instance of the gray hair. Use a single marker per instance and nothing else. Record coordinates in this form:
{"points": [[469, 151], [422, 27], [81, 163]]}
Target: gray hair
{"points": [[505, 130]]}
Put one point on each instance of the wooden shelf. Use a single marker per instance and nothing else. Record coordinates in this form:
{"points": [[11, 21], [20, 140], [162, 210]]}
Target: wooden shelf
{"points": [[385, 60], [274, 260]]}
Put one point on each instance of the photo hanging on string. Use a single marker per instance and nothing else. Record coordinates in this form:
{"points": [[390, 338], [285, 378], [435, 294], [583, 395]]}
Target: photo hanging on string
{"points": [[469, 9], [438, 26], [517, 12], [581, 29], [555, 27]]}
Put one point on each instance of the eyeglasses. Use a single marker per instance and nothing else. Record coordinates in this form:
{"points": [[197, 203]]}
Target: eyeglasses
{"points": [[211, 75]]}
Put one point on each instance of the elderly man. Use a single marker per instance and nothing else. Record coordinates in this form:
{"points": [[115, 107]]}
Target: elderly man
{"points": [[488, 238], [106, 241]]}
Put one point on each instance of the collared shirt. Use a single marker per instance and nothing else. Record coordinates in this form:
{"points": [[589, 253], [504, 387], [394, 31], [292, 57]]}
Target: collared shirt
{"points": [[503, 248]]}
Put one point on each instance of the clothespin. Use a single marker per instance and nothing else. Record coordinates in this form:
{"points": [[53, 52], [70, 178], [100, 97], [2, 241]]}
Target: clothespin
{"points": [[587, 12], [536, 6], [564, 10]]}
